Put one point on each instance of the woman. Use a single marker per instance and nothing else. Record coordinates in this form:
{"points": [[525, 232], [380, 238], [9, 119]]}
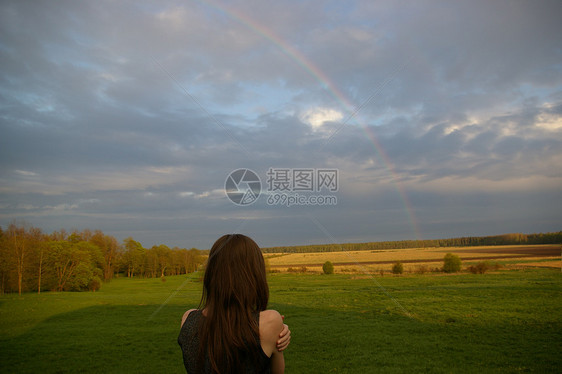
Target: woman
{"points": [[234, 333]]}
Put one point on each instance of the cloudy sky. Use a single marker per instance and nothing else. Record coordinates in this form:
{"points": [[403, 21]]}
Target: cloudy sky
{"points": [[442, 119]]}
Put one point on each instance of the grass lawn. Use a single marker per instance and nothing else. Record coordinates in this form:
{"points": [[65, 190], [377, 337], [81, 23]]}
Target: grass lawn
{"points": [[510, 321]]}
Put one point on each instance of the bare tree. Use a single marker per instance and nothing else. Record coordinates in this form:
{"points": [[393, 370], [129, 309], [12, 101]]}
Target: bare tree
{"points": [[17, 242], [37, 243]]}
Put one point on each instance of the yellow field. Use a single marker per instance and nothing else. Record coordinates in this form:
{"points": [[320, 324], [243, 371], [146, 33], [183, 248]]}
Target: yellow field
{"points": [[414, 258]]}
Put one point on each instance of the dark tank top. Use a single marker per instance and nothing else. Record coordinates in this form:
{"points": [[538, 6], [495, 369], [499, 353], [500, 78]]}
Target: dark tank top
{"points": [[189, 343]]}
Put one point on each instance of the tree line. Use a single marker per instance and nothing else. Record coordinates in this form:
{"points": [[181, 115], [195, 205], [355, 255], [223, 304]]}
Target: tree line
{"points": [[32, 261], [506, 239]]}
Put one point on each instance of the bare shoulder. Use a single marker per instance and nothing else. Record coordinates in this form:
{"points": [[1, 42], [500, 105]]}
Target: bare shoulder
{"points": [[270, 316], [185, 316], [271, 324]]}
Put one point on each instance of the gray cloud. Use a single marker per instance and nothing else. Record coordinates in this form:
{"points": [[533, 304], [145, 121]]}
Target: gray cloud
{"points": [[128, 117]]}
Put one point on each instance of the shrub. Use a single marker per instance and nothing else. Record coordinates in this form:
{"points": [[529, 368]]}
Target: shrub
{"points": [[451, 263], [348, 270], [95, 283], [302, 269], [397, 268], [483, 266], [479, 268], [422, 269], [328, 268]]}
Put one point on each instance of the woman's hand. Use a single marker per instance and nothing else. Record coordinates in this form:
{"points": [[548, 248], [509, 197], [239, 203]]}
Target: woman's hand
{"points": [[284, 338]]}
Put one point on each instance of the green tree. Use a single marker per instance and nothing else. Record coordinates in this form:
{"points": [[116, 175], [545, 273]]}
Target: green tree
{"points": [[133, 257], [176, 261], [71, 264], [151, 263], [451, 263], [328, 268], [192, 260], [163, 255], [110, 250]]}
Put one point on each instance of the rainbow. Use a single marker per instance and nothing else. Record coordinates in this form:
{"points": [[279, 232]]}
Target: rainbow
{"points": [[321, 77]]}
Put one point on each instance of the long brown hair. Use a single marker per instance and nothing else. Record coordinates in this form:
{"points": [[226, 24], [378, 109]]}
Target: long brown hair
{"points": [[234, 290]]}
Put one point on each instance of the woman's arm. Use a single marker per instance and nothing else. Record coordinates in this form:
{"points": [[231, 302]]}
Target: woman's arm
{"points": [[271, 325], [277, 363]]}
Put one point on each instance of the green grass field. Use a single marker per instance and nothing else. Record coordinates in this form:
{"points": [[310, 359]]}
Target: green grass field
{"points": [[510, 321]]}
